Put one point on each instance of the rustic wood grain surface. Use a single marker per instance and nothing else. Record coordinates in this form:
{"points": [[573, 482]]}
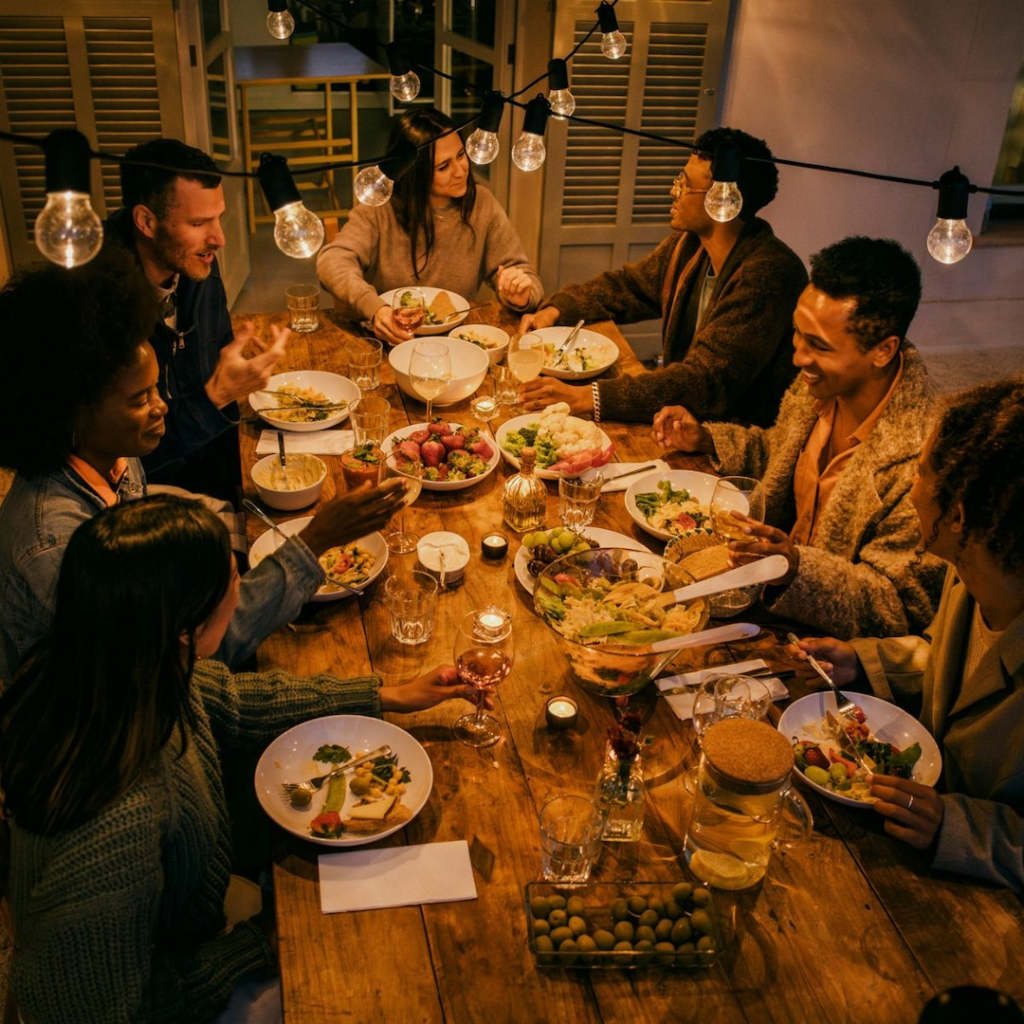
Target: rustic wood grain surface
{"points": [[848, 926]]}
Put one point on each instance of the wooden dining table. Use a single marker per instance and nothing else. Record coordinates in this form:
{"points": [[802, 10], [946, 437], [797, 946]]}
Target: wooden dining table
{"points": [[850, 925]]}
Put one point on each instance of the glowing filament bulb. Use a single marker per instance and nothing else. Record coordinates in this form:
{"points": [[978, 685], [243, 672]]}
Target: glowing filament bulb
{"points": [[67, 231], [298, 231], [280, 23]]}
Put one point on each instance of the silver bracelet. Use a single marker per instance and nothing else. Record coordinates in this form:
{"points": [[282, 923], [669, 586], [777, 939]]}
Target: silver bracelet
{"points": [[595, 392]]}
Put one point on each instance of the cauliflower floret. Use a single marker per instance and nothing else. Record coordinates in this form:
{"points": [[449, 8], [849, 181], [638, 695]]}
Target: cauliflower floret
{"points": [[569, 434]]}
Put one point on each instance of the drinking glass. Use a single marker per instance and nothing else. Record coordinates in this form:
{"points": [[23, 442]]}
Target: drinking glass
{"points": [[741, 494], [483, 658], [525, 356], [363, 356], [430, 370], [504, 385], [409, 308], [410, 470], [724, 695], [370, 417], [577, 498]]}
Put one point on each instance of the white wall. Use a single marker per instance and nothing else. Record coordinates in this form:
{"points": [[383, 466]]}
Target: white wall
{"points": [[902, 87]]}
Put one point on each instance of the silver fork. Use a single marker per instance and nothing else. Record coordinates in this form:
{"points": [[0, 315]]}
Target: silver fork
{"points": [[314, 785], [844, 706]]}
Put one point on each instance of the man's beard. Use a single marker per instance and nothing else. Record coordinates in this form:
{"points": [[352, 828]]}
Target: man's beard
{"points": [[179, 259]]}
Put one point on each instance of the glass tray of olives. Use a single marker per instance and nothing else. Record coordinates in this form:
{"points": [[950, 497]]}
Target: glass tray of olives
{"points": [[622, 925]]}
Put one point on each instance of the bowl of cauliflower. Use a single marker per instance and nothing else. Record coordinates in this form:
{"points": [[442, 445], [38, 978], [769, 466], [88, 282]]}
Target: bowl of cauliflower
{"points": [[562, 441], [603, 606]]}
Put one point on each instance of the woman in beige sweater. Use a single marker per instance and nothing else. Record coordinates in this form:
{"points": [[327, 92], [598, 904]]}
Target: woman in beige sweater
{"points": [[440, 230]]}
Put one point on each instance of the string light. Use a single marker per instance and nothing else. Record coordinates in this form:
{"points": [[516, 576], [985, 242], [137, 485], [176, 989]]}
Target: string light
{"points": [[373, 185], [613, 42], [67, 231], [280, 23], [723, 201], [482, 146], [405, 83], [949, 241], [563, 103], [298, 231], [529, 153]]}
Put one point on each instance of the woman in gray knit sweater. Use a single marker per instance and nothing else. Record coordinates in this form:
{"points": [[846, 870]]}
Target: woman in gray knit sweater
{"points": [[111, 740]]}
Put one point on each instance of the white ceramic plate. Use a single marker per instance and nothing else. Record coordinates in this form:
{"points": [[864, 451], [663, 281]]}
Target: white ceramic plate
{"points": [[444, 485], [700, 485], [604, 538], [597, 347], [430, 294], [290, 759], [803, 718], [267, 542], [524, 421], [335, 387]]}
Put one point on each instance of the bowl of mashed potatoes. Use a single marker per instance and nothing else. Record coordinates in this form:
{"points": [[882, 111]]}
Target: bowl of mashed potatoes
{"points": [[294, 485]]}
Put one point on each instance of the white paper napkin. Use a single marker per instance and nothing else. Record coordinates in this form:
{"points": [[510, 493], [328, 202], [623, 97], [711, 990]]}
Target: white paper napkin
{"points": [[682, 703], [398, 876], [615, 469], [312, 442]]}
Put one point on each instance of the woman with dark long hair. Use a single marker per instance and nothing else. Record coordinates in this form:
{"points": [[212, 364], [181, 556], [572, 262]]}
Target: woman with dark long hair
{"points": [[965, 678], [440, 229], [111, 740]]}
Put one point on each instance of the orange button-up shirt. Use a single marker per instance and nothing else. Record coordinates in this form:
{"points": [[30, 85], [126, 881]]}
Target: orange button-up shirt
{"points": [[816, 474]]}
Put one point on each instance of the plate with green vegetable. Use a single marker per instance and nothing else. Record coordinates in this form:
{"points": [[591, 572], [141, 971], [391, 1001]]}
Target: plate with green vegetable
{"points": [[671, 504], [889, 739], [589, 355], [362, 806]]}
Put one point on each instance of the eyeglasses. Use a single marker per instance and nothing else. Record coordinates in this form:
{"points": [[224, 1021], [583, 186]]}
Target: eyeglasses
{"points": [[681, 187]]}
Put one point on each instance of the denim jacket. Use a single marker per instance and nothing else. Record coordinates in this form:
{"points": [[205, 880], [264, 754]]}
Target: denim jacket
{"points": [[37, 519]]}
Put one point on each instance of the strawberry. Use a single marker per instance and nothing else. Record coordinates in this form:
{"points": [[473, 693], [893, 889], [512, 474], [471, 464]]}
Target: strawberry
{"points": [[453, 441], [432, 452], [440, 427], [419, 436], [481, 447], [411, 450]]}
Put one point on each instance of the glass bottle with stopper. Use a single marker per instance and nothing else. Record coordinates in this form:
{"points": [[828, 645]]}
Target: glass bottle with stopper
{"points": [[525, 498]]}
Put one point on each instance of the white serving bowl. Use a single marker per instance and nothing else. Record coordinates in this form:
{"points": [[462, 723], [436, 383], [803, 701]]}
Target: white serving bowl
{"points": [[299, 466], [460, 303], [469, 367], [492, 339], [335, 387]]}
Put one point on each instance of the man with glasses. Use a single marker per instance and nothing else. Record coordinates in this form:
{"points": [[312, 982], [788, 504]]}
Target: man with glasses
{"points": [[725, 293]]}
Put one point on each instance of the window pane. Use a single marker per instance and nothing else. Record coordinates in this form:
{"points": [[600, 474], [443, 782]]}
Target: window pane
{"points": [[210, 12], [474, 19], [471, 79], [220, 140]]}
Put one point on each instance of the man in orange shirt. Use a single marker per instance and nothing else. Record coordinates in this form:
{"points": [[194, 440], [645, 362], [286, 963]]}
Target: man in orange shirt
{"points": [[839, 461]]}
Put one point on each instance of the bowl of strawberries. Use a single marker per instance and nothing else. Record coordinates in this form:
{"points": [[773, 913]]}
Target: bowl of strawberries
{"points": [[454, 456]]}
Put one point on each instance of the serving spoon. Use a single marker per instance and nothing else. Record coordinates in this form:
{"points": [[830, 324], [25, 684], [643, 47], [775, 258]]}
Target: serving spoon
{"points": [[764, 570]]}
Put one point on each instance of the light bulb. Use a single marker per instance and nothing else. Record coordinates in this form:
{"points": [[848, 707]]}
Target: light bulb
{"points": [[298, 231], [529, 153], [723, 201], [613, 44], [482, 147], [67, 231], [280, 24], [405, 87], [372, 186], [950, 240], [563, 103]]}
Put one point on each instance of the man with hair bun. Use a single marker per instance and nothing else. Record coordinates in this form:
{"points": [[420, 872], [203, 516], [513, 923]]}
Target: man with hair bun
{"points": [[725, 293]]}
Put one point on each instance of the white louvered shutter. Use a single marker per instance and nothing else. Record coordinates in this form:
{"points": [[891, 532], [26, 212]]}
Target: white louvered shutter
{"points": [[606, 195]]}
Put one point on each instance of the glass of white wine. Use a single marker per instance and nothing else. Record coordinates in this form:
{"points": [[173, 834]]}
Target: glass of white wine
{"points": [[525, 356], [736, 494], [430, 370], [409, 308], [410, 471]]}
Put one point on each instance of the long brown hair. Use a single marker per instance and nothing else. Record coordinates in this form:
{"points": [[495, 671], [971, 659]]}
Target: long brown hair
{"points": [[411, 196], [109, 690]]}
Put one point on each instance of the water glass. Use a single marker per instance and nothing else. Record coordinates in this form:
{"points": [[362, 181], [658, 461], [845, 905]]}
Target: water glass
{"points": [[411, 601], [370, 418], [364, 358], [570, 838], [727, 695], [577, 498], [303, 307], [505, 385]]}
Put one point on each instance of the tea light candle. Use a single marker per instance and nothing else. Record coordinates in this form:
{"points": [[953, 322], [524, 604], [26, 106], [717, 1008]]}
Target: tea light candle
{"points": [[561, 712], [494, 545], [484, 407]]}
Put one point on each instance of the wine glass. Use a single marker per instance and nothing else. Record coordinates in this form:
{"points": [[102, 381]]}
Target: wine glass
{"points": [[741, 494], [483, 658], [410, 470], [525, 357], [409, 308], [430, 369]]}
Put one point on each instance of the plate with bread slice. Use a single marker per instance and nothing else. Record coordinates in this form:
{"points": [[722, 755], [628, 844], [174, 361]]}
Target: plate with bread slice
{"points": [[445, 309]]}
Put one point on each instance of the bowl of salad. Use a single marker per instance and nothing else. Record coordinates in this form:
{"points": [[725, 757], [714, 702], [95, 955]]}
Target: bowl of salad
{"points": [[603, 606]]}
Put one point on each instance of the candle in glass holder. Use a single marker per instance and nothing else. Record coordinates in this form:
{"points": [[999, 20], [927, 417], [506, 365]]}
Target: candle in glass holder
{"points": [[494, 545], [561, 712]]}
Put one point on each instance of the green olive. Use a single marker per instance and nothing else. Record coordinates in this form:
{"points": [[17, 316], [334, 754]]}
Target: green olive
{"points": [[648, 917], [604, 939], [545, 950], [681, 931], [559, 935], [301, 798], [557, 918], [623, 951], [645, 950], [623, 931], [636, 905], [682, 892], [575, 906], [577, 925], [557, 902], [644, 933], [700, 920], [663, 929], [540, 906], [619, 910], [664, 953], [587, 947], [657, 904], [568, 952], [673, 910], [701, 896], [705, 944], [360, 785]]}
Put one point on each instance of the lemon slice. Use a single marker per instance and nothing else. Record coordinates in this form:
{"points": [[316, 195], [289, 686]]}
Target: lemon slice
{"points": [[720, 869]]}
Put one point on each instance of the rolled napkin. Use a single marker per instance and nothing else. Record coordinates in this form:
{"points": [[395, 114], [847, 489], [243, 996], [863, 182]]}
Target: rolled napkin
{"points": [[312, 442], [682, 703], [614, 470], [398, 876]]}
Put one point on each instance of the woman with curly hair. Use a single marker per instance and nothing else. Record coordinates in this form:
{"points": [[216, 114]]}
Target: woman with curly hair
{"points": [[965, 678], [440, 229]]}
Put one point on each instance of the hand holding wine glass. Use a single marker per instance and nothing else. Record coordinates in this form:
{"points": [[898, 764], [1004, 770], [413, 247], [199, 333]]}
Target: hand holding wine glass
{"points": [[399, 465], [483, 658], [409, 308], [430, 370]]}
